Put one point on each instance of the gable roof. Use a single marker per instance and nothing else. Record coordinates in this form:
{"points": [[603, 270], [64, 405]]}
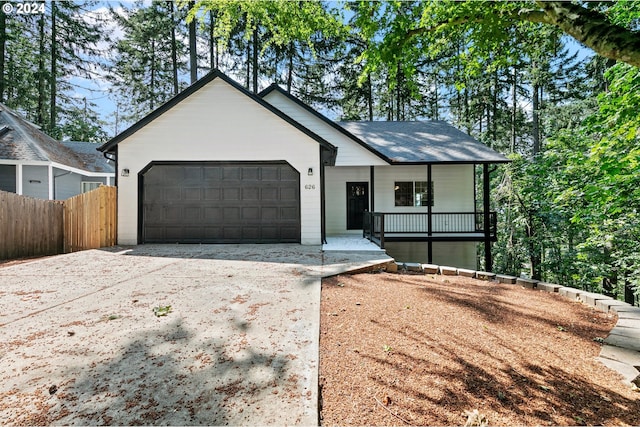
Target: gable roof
{"points": [[422, 142], [110, 145], [412, 142], [90, 156], [21, 140], [276, 88]]}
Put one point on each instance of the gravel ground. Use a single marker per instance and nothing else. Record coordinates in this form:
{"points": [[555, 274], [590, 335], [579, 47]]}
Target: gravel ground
{"points": [[430, 350]]}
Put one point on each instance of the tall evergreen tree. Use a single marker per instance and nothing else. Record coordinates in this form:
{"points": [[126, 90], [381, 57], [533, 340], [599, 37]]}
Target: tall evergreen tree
{"points": [[143, 66]]}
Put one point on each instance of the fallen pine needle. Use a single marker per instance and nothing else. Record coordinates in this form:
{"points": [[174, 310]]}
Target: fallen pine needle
{"points": [[389, 411]]}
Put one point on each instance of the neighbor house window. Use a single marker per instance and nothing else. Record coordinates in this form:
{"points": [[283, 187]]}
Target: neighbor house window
{"points": [[413, 193], [88, 186]]}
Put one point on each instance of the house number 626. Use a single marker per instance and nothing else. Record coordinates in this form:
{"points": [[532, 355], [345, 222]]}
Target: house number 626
{"points": [[310, 187]]}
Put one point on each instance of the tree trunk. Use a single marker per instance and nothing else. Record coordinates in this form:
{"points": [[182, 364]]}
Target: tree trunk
{"points": [[152, 80], [54, 55], [536, 120], [213, 51], [370, 97], [255, 60], [40, 114], [248, 79], [3, 42], [193, 54], [174, 53], [290, 70], [514, 110]]}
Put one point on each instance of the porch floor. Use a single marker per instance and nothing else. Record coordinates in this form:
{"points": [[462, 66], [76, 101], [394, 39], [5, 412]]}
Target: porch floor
{"points": [[350, 242]]}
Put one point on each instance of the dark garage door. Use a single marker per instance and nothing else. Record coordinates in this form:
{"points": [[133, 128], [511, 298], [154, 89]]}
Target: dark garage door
{"points": [[217, 202]]}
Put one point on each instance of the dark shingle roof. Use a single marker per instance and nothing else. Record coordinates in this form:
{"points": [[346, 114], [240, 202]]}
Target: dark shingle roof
{"points": [[21, 140], [91, 157], [422, 142]]}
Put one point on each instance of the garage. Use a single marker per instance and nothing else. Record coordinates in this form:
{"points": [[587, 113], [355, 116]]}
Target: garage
{"points": [[219, 202]]}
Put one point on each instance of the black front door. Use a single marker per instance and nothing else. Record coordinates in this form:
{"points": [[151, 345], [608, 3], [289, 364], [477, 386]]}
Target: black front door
{"points": [[357, 203]]}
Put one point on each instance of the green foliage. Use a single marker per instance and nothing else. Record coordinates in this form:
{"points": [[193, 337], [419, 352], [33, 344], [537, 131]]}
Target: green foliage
{"points": [[142, 72]]}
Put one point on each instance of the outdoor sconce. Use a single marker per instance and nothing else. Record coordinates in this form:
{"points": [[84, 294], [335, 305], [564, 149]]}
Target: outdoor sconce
{"points": [[310, 171], [125, 172]]}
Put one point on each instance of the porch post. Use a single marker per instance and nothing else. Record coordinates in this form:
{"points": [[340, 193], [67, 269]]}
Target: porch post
{"points": [[19, 178], [429, 216], [52, 183], [488, 259], [372, 192]]}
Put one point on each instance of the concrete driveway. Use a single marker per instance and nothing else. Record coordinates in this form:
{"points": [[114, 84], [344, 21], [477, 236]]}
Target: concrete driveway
{"points": [[80, 343]]}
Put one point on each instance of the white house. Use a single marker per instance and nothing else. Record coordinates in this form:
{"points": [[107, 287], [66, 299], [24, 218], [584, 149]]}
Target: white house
{"points": [[218, 164], [35, 165]]}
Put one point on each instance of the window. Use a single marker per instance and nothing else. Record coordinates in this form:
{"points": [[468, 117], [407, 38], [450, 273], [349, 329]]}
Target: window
{"points": [[88, 186], [413, 193]]}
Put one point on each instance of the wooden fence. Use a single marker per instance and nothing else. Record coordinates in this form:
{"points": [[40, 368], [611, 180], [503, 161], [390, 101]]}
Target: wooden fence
{"points": [[90, 220], [30, 227], [34, 227]]}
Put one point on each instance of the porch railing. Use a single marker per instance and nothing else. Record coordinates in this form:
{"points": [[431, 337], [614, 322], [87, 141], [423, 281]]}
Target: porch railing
{"points": [[378, 226]]}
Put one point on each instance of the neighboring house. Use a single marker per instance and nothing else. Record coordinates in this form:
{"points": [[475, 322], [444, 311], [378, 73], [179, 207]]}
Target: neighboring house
{"points": [[218, 164], [36, 165]]}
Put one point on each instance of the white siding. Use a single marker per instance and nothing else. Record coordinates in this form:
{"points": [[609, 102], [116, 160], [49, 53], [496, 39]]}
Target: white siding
{"points": [[453, 187], [336, 179], [350, 153], [453, 190], [218, 123]]}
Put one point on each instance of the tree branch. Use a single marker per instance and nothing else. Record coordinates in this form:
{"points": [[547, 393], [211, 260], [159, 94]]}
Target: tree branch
{"points": [[588, 27]]}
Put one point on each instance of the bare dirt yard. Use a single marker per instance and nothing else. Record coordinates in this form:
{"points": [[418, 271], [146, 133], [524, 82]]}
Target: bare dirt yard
{"points": [[428, 350]]}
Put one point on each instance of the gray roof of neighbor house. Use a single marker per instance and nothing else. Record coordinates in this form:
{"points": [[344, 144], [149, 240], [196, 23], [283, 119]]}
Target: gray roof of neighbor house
{"points": [[89, 154], [21, 140], [421, 142]]}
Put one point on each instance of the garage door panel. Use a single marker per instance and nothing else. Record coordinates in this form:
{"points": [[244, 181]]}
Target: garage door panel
{"points": [[251, 194], [269, 193], [213, 215], [231, 194], [251, 173], [171, 194], [288, 194], [192, 214], [192, 194], [219, 202], [212, 194], [230, 214], [232, 233], [251, 213], [288, 214], [287, 233], [171, 173], [289, 174], [172, 214], [231, 173], [270, 213], [212, 173]]}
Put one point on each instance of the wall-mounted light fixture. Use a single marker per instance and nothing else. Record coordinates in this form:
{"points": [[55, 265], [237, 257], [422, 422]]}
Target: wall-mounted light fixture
{"points": [[34, 181], [125, 172], [310, 171]]}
